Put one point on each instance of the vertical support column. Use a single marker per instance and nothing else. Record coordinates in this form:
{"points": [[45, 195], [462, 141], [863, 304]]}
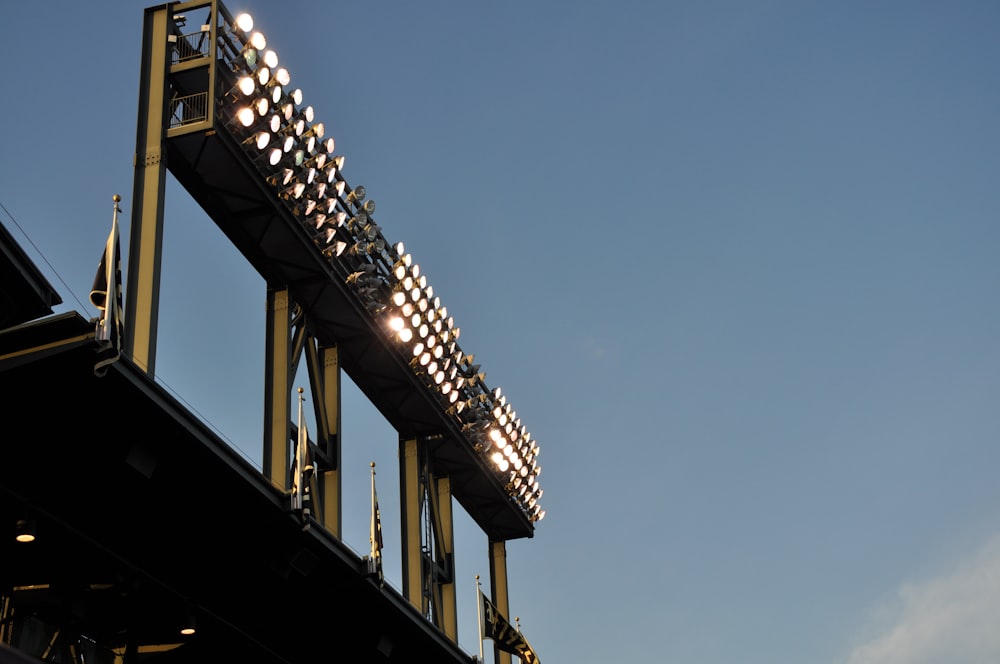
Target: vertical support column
{"points": [[277, 387], [446, 547], [498, 587], [410, 502], [142, 292], [330, 479]]}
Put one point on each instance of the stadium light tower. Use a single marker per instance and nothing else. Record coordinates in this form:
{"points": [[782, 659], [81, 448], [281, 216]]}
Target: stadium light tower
{"points": [[219, 111]]}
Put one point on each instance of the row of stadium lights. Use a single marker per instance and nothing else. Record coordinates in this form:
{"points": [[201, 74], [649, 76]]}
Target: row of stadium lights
{"points": [[297, 159]]}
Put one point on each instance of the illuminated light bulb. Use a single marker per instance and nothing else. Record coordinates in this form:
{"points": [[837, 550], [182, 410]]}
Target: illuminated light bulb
{"points": [[418, 349], [446, 388], [423, 331], [407, 308], [495, 437], [503, 465], [317, 161], [263, 76], [246, 116], [414, 318], [282, 77], [405, 334], [247, 86], [274, 123], [274, 156], [282, 178], [453, 397], [261, 105], [396, 323], [271, 59], [244, 22], [432, 367], [257, 41], [261, 139], [425, 359], [288, 144], [329, 144], [399, 298]]}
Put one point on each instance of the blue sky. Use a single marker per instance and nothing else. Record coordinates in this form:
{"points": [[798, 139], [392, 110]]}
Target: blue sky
{"points": [[733, 263]]}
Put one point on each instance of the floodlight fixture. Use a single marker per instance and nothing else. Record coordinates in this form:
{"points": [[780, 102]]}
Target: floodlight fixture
{"points": [[247, 85], [244, 22]]}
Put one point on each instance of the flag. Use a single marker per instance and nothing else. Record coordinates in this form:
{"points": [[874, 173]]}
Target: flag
{"points": [[496, 627], [303, 469], [106, 295], [375, 532]]}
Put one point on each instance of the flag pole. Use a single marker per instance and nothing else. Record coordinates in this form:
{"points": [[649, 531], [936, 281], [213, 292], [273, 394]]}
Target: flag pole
{"points": [[375, 535], [106, 295], [297, 466], [479, 614], [371, 529]]}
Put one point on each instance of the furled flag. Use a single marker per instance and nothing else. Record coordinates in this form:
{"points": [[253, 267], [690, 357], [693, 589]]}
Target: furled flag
{"points": [[303, 470], [106, 295], [496, 627], [375, 533]]}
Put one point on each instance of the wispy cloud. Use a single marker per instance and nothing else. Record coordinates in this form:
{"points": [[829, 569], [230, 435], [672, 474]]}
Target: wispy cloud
{"points": [[952, 618]]}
